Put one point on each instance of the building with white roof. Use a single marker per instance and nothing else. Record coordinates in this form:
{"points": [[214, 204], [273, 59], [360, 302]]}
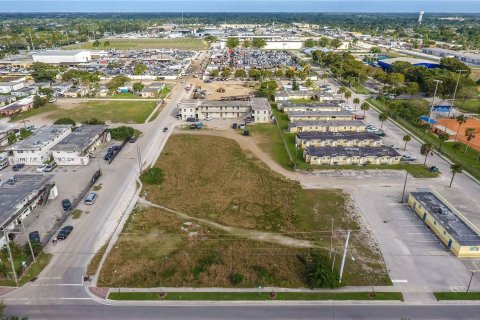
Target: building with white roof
{"points": [[62, 56]]}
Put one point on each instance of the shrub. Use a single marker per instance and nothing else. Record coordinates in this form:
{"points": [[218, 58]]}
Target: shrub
{"points": [[319, 272], [93, 121], [121, 133], [236, 278], [152, 176], [65, 121]]}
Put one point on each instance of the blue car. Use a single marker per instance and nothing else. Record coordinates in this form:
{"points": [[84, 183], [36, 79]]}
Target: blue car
{"points": [[18, 166]]}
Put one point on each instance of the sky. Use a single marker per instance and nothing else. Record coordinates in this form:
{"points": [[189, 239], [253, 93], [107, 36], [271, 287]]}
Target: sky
{"points": [[443, 6]]}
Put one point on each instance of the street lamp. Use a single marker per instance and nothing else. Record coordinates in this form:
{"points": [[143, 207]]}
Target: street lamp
{"points": [[434, 95], [470, 282], [455, 92]]}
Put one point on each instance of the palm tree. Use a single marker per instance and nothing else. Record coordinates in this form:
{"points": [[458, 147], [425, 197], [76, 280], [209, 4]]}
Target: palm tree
{"points": [[355, 102], [469, 135], [461, 120], [456, 146], [324, 76], [454, 169], [406, 138], [443, 137], [348, 95], [341, 90], [382, 117], [364, 107], [425, 150]]}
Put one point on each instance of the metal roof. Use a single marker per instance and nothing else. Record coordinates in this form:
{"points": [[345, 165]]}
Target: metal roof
{"points": [[314, 135], [80, 138], [40, 138], [328, 151]]}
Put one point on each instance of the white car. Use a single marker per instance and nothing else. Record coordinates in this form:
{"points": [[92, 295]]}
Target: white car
{"points": [[41, 168], [208, 118]]}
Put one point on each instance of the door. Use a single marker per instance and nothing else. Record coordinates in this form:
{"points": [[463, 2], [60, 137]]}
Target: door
{"points": [[424, 217], [449, 245]]}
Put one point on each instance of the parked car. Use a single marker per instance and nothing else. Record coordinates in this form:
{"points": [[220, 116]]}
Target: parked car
{"points": [[18, 166], [241, 126], [64, 233], [11, 181], [208, 118], [165, 129], [132, 139], [408, 158], [49, 168], [41, 168], [52, 100], [66, 204], [234, 126], [34, 236], [114, 148], [359, 117], [108, 156], [394, 146], [380, 133], [191, 119], [90, 198]]}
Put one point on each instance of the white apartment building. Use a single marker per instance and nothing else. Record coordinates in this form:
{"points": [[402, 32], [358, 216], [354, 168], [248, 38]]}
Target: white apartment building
{"points": [[36, 149]]}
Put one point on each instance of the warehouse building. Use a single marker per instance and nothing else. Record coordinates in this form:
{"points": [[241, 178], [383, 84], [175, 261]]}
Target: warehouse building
{"points": [[326, 126], [36, 149], [70, 57], [298, 94], [258, 109], [454, 230], [320, 115], [470, 58], [351, 155], [78, 147], [287, 106], [335, 139], [20, 195], [386, 64]]}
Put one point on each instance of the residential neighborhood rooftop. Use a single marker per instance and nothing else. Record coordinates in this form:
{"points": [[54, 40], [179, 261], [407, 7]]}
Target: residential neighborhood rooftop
{"points": [[313, 135], [328, 151], [40, 138], [350, 123], [80, 138]]}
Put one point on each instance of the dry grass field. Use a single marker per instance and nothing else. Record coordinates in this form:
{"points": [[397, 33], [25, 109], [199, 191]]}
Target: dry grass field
{"points": [[212, 178]]}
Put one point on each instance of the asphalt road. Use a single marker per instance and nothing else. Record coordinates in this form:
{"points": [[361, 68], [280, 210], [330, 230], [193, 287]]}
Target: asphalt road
{"points": [[235, 311]]}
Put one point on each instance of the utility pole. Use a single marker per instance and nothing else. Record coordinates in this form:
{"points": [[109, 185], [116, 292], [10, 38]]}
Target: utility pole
{"points": [[139, 159], [455, 92], [29, 242], [31, 41], [10, 256], [404, 187], [331, 240], [470, 282], [344, 255], [434, 95]]}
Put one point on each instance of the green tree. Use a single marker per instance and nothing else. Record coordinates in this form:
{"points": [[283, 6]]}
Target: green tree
{"points": [[279, 73], [289, 73], [443, 137], [240, 73], [46, 91], [117, 81], [309, 43], [406, 138], [259, 43], [254, 73], [324, 42], [335, 43], [137, 87], [43, 72], [214, 73], [456, 146], [469, 135], [454, 169], [461, 119], [425, 150], [226, 73], [106, 44], [412, 88], [232, 43], [341, 91], [375, 50], [267, 89], [65, 121], [356, 101], [348, 95], [139, 69], [38, 101], [452, 64], [247, 43], [383, 117], [96, 44], [364, 107], [309, 83], [93, 121], [395, 79], [295, 85], [211, 39]]}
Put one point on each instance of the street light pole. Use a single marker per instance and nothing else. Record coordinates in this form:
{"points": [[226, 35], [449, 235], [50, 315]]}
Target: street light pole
{"points": [[344, 255], [10, 256], [434, 95], [455, 92], [29, 242], [404, 187]]}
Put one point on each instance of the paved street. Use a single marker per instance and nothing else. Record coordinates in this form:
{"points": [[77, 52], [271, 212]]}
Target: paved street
{"points": [[234, 311]]}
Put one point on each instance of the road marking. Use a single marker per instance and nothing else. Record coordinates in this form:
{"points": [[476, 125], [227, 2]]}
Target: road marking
{"points": [[400, 281]]}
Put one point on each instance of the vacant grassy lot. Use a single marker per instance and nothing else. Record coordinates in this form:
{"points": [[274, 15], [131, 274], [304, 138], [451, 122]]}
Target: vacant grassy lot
{"points": [[138, 44], [113, 111], [249, 296], [211, 178]]}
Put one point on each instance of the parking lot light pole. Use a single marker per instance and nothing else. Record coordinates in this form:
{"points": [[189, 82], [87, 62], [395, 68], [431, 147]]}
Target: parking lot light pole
{"points": [[29, 242], [470, 282], [10, 256], [455, 92], [404, 187]]}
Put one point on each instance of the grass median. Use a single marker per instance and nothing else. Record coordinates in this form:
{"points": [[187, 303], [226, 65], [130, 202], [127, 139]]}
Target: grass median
{"points": [[256, 296], [457, 295]]}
